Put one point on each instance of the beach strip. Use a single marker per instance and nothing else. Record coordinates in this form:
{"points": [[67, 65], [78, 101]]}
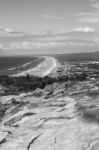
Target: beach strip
{"points": [[43, 69]]}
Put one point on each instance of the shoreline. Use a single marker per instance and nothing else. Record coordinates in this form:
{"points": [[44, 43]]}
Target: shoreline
{"points": [[42, 69]]}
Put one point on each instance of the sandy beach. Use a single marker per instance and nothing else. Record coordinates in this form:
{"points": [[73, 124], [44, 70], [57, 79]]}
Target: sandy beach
{"points": [[43, 69]]}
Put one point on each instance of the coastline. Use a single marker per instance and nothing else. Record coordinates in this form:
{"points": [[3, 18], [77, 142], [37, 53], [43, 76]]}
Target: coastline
{"points": [[55, 113], [41, 70]]}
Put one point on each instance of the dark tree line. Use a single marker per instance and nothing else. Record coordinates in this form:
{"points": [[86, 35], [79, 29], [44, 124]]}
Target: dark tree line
{"points": [[30, 83], [25, 83]]}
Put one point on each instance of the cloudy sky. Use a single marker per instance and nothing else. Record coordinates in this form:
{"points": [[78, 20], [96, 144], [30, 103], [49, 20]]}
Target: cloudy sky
{"points": [[49, 15], [57, 26]]}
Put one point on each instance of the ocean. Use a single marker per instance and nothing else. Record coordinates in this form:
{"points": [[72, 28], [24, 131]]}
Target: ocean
{"points": [[14, 65]]}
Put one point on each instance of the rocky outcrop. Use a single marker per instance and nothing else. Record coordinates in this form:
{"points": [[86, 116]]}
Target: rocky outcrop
{"points": [[50, 119]]}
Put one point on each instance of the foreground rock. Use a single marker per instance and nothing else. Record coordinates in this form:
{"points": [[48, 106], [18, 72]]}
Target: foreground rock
{"points": [[51, 119]]}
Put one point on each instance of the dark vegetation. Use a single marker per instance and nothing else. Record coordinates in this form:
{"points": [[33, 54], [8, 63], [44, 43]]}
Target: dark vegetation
{"points": [[14, 85]]}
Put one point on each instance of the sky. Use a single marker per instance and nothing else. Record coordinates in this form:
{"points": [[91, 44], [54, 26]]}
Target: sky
{"points": [[49, 15], [48, 26]]}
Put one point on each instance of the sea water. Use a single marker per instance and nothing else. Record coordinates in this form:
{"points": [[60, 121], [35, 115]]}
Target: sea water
{"points": [[13, 65]]}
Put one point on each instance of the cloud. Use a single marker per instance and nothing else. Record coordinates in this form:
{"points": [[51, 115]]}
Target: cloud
{"points": [[90, 17], [46, 45], [1, 46], [95, 4], [84, 29], [48, 14], [82, 14], [93, 18], [7, 29]]}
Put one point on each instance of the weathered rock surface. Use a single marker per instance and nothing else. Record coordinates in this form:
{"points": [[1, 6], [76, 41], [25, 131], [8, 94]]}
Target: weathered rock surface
{"points": [[58, 119]]}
